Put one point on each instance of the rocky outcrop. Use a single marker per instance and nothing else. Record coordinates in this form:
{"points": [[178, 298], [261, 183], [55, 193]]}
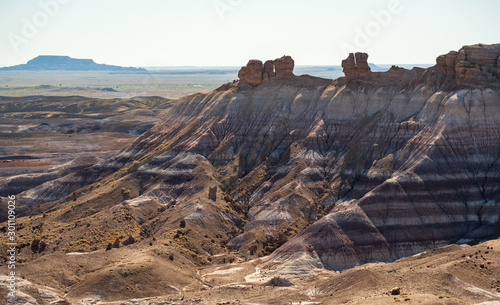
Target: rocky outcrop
{"points": [[268, 71], [476, 65], [284, 67], [254, 73], [447, 63], [356, 66]]}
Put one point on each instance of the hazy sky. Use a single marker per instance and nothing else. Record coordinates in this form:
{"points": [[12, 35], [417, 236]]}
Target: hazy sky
{"points": [[229, 32]]}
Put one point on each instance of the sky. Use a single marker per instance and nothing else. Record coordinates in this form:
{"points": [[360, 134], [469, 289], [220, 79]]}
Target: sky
{"points": [[230, 32]]}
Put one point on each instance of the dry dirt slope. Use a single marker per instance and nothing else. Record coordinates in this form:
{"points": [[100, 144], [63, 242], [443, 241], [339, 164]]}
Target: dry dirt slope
{"points": [[449, 275]]}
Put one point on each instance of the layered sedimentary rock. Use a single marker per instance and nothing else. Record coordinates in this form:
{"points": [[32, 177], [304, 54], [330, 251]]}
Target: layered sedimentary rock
{"points": [[475, 65], [284, 67], [356, 66], [254, 73], [369, 170]]}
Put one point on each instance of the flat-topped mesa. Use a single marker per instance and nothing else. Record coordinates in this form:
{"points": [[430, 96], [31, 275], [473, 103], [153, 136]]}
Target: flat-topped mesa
{"points": [[472, 65], [356, 66], [255, 73]]}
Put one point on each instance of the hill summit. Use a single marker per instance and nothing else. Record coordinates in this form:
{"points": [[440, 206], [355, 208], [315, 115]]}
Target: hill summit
{"points": [[66, 63]]}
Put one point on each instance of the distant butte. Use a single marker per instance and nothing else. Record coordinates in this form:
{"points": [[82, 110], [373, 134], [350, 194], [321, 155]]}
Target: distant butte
{"points": [[66, 63]]}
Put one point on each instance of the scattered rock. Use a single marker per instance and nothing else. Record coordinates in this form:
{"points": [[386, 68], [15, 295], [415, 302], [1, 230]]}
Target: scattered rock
{"points": [[116, 244], [182, 224], [129, 240], [109, 247], [396, 291], [41, 246], [212, 193], [35, 245]]}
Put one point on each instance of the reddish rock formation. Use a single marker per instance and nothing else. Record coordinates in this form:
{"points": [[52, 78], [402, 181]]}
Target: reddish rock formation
{"points": [[447, 63], [284, 67], [356, 66], [476, 65], [268, 72], [254, 73]]}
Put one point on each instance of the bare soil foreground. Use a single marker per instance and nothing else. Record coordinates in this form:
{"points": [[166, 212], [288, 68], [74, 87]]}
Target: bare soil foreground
{"points": [[450, 275]]}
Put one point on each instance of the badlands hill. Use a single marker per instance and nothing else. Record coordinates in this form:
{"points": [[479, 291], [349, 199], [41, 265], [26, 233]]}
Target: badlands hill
{"points": [[309, 176]]}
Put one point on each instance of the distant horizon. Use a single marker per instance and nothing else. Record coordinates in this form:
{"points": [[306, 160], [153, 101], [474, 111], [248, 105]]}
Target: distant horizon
{"points": [[230, 32], [223, 66]]}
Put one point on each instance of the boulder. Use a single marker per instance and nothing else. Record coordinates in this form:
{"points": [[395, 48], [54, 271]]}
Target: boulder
{"points": [[396, 291], [212, 193], [35, 245], [42, 246], [129, 240]]}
